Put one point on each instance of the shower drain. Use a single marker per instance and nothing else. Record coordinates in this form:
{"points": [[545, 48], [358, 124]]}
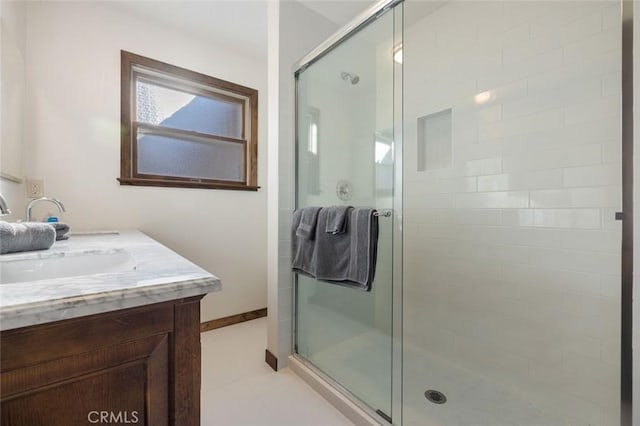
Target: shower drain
{"points": [[435, 396]]}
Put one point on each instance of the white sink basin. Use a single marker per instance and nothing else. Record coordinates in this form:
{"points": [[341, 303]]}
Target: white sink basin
{"points": [[19, 270]]}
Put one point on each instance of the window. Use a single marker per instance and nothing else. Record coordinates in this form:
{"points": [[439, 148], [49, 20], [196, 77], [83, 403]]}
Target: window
{"points": [[185, 129]]}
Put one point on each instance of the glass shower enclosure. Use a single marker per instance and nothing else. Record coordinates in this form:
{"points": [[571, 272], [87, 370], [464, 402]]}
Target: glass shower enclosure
{"points": [[492, 133], [345, 156]]}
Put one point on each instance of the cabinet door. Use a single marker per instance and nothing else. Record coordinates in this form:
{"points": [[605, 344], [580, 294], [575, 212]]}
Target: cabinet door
{"points": [[123, 384], [105, 368]]}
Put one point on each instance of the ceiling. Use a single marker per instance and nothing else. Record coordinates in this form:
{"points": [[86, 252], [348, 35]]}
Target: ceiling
{"points": [[339, 12], [239, 25]]}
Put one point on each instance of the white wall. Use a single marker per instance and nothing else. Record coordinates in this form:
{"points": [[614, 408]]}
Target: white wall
{"points": [[512, 254], [73, 103], [12, 67]]}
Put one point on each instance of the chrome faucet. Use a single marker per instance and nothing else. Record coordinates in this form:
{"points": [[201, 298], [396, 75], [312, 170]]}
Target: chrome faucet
{"points": [[4, 208], [32, 203]]}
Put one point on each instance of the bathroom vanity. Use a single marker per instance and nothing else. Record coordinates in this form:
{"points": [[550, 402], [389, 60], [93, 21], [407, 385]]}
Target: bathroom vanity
{"points": [[101, 329]]}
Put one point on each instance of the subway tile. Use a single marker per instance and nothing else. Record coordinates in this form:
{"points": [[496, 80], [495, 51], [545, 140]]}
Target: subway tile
{"points": [[586, 261], [522, 180], [541, 121], [567, 218], [436, 230], [611, 17], [576, 135], [588, 304], [517, 217], [416, 215], [610, 350], [478, 151], [577, 197], [549, 60], [543, 280], [468, 216], [588, 48], [525, 11], [585, 373], [553, 92], [487, 115], [603, 174], [454, 185], [555, 198], [588, 326], [553, 218], [609, 221], [567, 80], [501, 92], [583, 346], [574, 239], [553, 158], [611, 286], [549, 34], [454, 38], [567, 239], [486, 166], [594, 110], [498, 36], [610, 416], [562, 14], [612, 152], [511, 146], [437, 201], [466, 251], [506, 199], [612, 83]]}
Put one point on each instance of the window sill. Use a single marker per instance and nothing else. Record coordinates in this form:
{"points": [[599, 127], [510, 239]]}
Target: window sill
{"points": [[185, 184]]}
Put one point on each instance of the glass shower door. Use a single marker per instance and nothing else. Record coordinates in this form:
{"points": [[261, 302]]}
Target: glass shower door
{"points": [[345, 156]]}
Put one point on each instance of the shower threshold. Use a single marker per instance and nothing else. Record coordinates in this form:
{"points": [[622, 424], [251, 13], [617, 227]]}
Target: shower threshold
{"points": [[343, 400]]}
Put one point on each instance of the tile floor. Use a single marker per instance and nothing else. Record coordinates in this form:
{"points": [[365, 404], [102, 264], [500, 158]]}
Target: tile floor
{"points": [[239, 389]]}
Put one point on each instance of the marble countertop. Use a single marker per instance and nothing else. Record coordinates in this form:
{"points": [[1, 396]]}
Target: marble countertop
{"points": [[159, 275]]}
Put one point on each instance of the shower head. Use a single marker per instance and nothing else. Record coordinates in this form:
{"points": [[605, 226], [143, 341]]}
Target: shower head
{"points": [[354, 79]]}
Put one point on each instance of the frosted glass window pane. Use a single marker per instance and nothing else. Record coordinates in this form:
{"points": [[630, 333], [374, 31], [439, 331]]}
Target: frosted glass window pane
{"points": [[219, 160], [161, 106], [434, 141]]}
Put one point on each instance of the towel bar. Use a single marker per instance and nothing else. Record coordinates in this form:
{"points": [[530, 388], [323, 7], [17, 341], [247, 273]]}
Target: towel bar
{"points": [[384, 213]]}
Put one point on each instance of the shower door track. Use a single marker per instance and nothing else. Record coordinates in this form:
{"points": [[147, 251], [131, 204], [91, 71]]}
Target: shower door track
{"points": [[370, 411], [343, 34]]}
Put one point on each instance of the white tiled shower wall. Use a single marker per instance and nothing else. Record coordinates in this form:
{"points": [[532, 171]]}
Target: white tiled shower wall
{"points": [[512, 254]]}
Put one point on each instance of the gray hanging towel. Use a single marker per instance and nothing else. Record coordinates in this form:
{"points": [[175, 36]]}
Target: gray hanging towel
{"points": [[337, 219], [308, 220], [302, 249], [347, 259]]}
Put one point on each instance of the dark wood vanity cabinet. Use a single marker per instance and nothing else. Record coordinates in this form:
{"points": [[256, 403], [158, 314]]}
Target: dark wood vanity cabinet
{"points": [[133, 366]]}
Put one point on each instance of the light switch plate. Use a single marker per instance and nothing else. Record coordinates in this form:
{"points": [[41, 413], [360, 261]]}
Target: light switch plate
{"points": [[34, 188]]}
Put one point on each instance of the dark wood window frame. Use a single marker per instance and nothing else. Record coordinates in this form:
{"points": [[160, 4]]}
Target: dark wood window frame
{"points": [[169, 76]]}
